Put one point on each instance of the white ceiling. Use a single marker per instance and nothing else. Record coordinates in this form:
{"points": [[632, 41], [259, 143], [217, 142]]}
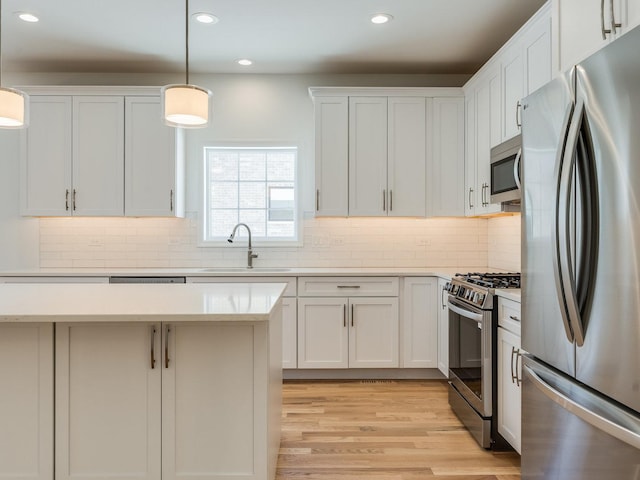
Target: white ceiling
{"points": [[280, 36]]}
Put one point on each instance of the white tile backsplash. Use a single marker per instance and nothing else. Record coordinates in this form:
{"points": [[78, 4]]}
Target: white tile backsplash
{"points": [[328, 242], [503, 234]]}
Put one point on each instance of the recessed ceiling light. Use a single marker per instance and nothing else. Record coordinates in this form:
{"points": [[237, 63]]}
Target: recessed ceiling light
{"points": [[380, 18], [28, 17], [245, 62], [207, 18]]}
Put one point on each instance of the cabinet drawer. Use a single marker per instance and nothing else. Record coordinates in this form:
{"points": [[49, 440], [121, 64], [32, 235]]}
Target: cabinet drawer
{"points": [[290, 291], [348, 286], [509, 315]]}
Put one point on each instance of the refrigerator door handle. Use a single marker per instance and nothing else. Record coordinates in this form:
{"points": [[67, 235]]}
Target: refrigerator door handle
{"points": [[601, 422], [567, 269], [556, 230]]}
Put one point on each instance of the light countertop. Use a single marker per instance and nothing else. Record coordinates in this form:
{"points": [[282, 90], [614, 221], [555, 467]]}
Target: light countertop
{"points": [[38, 302], [510, 293], [443, 272]]}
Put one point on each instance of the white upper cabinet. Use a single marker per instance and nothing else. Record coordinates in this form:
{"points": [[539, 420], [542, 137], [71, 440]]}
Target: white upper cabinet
{"points": [[582, 28], [98, 156], [78, 143], [332, 155], [512, 89], [407, 146], [45, 169], [154, 156], [367, 156], [445, 161], [372, 146]]}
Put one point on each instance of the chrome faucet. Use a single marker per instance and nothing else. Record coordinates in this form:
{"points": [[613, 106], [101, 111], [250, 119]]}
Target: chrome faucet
{"points": [[250, 254]]}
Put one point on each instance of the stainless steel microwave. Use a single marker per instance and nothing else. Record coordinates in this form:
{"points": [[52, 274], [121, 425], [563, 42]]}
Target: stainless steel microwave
{"points": [[505, 171]]}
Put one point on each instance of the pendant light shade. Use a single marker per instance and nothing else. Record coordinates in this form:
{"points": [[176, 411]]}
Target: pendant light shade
{"points": [[14, 104], [185, 106], [14, 108]]}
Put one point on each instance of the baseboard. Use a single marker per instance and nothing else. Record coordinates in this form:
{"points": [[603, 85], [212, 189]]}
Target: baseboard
{"points": [[363, 374]]}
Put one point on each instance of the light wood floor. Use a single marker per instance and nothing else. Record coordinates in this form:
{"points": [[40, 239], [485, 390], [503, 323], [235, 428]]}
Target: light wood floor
{"points": [[387, 430]]}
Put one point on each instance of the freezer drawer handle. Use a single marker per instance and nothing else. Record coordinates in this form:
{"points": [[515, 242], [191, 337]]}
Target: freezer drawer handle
{"points": [[592, 418]]}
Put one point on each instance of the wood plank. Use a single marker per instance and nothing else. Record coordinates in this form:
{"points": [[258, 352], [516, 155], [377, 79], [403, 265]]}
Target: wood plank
{"points": [[380, 430]]}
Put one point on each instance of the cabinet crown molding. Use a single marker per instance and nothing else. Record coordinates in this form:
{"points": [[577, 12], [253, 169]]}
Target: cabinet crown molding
{"points": [[315, 92], [93, 90]]}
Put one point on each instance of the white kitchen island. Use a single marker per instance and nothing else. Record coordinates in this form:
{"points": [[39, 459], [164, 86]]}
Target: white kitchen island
{"points": [[140, 381]]}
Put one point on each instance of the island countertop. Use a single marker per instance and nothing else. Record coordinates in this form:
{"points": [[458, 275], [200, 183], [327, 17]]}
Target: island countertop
{"points": [[138, 302]]}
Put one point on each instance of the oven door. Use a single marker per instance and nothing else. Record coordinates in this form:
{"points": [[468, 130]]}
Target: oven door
{"points": [[470, 354]]}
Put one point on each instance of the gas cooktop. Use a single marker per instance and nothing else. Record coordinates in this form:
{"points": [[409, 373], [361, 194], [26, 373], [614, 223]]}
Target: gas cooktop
{"points": [[490, 280], [477, 289]]}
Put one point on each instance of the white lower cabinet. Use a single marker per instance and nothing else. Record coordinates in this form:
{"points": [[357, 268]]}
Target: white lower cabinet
{"points": [[26, 401], [443, 329], [172, 401], [419, 322], [509, 372], [356, 332]]}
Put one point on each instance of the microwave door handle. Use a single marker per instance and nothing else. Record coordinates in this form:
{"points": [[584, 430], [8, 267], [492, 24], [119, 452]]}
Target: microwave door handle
{"points": [[516, 168], [558, 273]]}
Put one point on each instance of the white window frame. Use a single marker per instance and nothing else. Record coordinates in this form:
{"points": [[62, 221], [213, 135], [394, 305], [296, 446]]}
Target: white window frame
{"points": [[221, 242]]}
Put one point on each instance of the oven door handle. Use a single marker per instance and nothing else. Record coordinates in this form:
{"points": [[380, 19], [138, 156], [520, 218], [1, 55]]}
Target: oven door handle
{"points": [[464, 312]]}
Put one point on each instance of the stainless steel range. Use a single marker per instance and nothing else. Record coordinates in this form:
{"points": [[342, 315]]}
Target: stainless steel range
{"points": [[473, 351]]}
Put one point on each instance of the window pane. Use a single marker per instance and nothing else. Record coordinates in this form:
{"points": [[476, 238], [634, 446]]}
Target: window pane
{"points": [[252, 195], [222, 222], [281, 166], [256, 219], [253, 166], [223, 166], [224, 195]]}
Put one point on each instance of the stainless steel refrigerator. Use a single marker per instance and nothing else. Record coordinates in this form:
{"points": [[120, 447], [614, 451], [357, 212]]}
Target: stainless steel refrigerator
{"points": [[581, 270]]}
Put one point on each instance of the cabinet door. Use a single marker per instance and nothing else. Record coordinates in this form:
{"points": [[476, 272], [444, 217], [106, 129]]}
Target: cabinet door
{"points": [[373, 333], [419, 323], [26, 401], [153, 165], [368, 156], [98, 155], [407, 161], [213, 401], [633, 14], [447, 162], [509, 393], [443, 329], [289, 333], [323, 335], [512, 89], [45, 168], [579, 29], [536, 46], [108, 401], [470, 174], [487, 126], [332, 156]]}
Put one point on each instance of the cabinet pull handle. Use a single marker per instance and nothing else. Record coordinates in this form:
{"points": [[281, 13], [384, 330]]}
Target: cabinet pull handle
{"points": [[518, 121], [66, 199], [348, 286], [513, 317], [514, 377], [352, 314], [484, 186], [384, 200], [518, 368], [171, 200], [470, 192], [166, 346], [391, 200], [344, 315], [317, 200], [153, 347], [73, 199], [604, 32], [444, 304], [614, 25]]}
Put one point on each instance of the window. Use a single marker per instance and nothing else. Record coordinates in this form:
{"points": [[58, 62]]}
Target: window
{"points": [[251, 185]]}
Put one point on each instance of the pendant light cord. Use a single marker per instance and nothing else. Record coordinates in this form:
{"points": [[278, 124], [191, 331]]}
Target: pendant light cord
{"points": [[186, 43]]}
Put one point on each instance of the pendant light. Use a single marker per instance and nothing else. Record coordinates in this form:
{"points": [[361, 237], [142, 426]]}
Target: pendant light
{"points": [[14, 104], [185, 105]]}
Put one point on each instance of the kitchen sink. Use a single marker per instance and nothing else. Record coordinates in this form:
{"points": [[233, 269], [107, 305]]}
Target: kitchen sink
{"points": [[244, 269]]}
